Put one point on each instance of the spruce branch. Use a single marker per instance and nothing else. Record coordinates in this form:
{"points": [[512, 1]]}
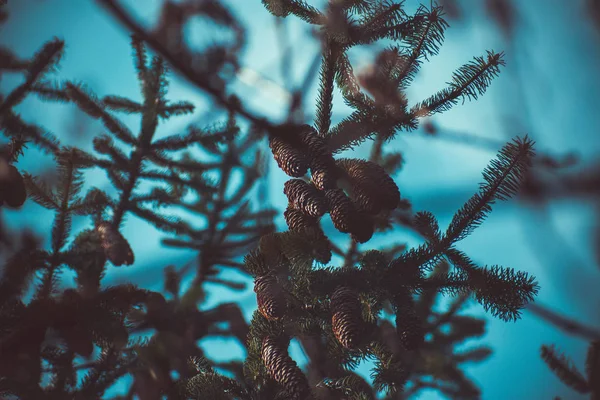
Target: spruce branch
{"points": [[592, 367], [501, 181], [469, 82], [422, 42], [45, 59], [118, 103], [299, 8], [13, 126], [39, 191], [567, 325], [92, 106], [50, 90], [564, 369], [502, 291], [325, 100]]}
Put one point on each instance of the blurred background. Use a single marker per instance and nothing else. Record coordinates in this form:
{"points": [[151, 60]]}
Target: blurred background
{"points": [[549, 90]]}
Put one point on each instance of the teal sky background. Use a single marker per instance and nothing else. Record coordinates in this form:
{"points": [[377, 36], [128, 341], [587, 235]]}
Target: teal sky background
{"points": [[549, 90]]}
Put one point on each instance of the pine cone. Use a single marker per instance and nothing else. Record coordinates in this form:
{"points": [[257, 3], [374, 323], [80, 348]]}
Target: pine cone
{"points": [[305, 197], [115, 246], [269, 296], [290, 159], [373, 188], [408, 324], [346, 321], [316, 145], [298, 221], [363, 228], [283, 369], [12, 185], [323, 172], [341, 210]]}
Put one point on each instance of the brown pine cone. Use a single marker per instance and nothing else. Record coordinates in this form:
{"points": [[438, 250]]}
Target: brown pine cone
{"points": [[408, 323], [341, 210], [316, 145], [292, 160], [365, 192], [373, 188], [363, 228], [12, 185], [323, 172], [346, 320], [115, 246], [283, 369], [270, 298], [298, 221], [305, 197]]}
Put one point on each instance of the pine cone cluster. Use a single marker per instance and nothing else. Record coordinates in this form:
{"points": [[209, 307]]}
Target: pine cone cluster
{"points": [[303, 148], [115, 246], [346, 320], [270, 298], [408, 324], [371, 188], [283, 369], [12, 185]]}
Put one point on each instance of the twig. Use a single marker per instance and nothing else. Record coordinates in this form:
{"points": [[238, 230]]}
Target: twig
{"points": [[565, 324]]}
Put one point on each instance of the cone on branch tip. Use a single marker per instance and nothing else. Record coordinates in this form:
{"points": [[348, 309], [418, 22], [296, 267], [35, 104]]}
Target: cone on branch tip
{"points": [[346, 319], [12, 185], [115, 246], [283, 369], [305, 197], [270, 297]]}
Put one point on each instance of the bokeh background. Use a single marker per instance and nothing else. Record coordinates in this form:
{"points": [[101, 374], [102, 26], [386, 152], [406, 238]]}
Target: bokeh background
{"points": [[549, 90]]}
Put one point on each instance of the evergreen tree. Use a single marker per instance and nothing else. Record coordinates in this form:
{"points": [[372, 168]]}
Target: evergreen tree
{"points": [[378, 305]]}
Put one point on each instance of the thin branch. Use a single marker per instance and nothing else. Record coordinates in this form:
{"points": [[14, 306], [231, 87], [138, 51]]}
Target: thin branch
{"points": [[565, 324]]}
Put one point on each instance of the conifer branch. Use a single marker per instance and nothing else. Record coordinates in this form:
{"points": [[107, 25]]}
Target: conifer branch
{"points": [[299, 8], [118, 103], [592, 367], [90, 105], [325, 100], [422, 42], [502, 179], [13, 126], [46, 58], [566, 324], [469, 82], [563, 368]]}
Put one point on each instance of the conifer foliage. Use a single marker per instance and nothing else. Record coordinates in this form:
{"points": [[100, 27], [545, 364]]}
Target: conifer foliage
{"points": [[377, 306]]}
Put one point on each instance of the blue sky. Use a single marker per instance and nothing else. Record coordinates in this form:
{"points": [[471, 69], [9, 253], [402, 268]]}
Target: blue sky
{"points": [[545, 91]]}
